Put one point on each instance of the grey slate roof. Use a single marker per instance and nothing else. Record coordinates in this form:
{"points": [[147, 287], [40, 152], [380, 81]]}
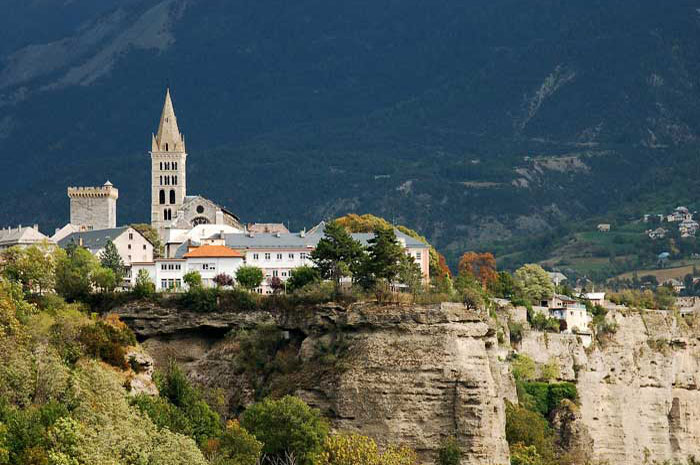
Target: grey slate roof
{"points": [[19, 235], [92, 240], [293, 241]]}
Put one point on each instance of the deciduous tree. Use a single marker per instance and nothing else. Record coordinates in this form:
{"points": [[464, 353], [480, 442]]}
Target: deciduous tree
{"points": [[250, 277], [533, 283], [74, 268], [287, 425], [482, 266]]}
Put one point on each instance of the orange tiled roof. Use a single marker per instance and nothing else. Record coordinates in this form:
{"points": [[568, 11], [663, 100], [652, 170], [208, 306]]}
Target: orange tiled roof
{"points": [[213, 251]]}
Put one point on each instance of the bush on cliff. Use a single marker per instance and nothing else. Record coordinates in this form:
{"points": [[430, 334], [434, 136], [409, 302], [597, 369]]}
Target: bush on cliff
{"points": [[449, 453], [529, 428], [287, 427], [355, 449]]}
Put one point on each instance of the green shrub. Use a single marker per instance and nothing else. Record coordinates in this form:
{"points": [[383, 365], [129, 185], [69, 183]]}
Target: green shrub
{"points": [[237, 447], [163, 413], [520, 454], [198, 299], [516, 331], [524, 368], [529, 428], [176, 388], [450, 452], [193, 280], [302, 276], [544, 397], [286, 426], [107, 342]]}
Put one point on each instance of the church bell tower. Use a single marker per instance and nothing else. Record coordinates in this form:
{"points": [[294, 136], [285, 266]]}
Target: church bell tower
{"points": [[168, 169]]}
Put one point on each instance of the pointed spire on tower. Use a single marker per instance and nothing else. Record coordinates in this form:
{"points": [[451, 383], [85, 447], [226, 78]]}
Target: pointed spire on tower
{"points": [[169, 138]]}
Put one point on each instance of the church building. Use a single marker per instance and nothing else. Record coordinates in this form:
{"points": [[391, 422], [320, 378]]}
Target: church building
{"points": [[172, 210]]}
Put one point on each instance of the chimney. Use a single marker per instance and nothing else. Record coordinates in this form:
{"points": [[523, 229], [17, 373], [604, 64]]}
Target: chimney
{"points": [[219, 217], [36, 227]]}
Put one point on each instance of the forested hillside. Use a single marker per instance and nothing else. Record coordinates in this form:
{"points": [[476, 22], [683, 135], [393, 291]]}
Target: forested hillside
{"points": [[471, 122]]}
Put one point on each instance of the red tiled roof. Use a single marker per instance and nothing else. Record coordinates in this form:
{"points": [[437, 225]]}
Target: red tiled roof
{"points": [[213, 251]]}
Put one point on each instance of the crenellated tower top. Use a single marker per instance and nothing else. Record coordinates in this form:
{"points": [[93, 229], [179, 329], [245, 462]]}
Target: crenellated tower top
{"points": [[105, 191]]}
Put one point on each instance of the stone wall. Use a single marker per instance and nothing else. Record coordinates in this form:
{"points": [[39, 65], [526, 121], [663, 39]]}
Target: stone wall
{"points": [[96, 212]]}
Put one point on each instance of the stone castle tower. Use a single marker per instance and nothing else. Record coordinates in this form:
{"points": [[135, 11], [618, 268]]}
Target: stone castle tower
{"points": [[94, 208], [168, 169]]}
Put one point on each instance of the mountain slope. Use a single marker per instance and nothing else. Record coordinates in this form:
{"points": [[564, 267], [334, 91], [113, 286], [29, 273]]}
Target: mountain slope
{"points": [[470, 121]]}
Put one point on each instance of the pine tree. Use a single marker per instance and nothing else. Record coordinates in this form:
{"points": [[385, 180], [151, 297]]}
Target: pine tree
{"points": [[337, 254], [110, 259], [385, 254]]}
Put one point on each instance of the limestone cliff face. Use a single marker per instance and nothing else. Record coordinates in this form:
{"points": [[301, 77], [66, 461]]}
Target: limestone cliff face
{"points": [[639, 389], [410, 375]]}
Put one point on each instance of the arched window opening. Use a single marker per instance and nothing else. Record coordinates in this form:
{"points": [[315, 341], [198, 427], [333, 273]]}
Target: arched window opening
{"points": [[172, 196], [161, 180], [162, 197], [174, 165], [200, 220], [167, 180], [161, 166], [166, 146], [174, 180], [167, 214]]}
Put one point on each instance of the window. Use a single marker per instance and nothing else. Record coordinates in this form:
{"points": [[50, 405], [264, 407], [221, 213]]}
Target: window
{"points": [[174, 180], [163, 283], [144, 246], [200, 209], [129, 247], [166, 146], [172, 196], [167, 166], [178, 267], [167, 180], [167, 214], [163, 267], [174, 165], [291, 256], [418, 255], [162, 194], [161, 180], [302, 255], [279, 256], [256, 256], [131, 236], [275, 273], [267, 256], [284, 273], [161, 166]]}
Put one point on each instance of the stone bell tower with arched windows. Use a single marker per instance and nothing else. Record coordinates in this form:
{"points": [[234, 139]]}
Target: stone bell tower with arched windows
{"points": [[168, 169]]}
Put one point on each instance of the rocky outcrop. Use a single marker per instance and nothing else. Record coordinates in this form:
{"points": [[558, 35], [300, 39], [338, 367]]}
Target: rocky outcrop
{"points": [[410, 375], [639, 387]]}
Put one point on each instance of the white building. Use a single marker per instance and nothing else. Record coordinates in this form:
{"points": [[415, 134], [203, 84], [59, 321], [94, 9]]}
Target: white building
{"points": [[22, 237], [132, 246], [576, 318], [212, 260], [596, 298]]}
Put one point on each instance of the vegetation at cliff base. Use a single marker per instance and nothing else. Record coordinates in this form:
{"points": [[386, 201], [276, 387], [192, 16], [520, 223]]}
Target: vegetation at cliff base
{"points": [[528, 429]]}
